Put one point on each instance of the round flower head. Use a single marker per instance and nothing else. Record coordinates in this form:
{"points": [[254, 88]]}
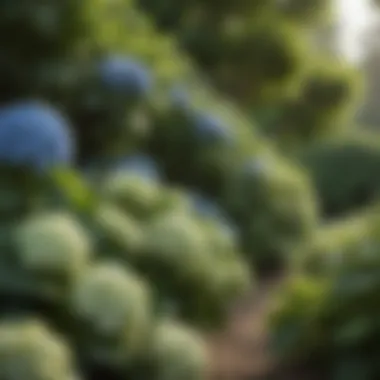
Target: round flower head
{"points": [[177, 240], [113, 303], [29, 350], [178, 353], [125, 75], [34, 135], [135, 194], [54, 244]]}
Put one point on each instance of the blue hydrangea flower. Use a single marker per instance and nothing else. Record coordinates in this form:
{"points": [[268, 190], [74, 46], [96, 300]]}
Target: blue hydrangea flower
{"points": [[141, 165], [210, 129], [125, 75], [35, 135]]}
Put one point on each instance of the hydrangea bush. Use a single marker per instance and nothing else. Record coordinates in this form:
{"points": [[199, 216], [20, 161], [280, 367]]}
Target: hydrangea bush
{"points": [[137, 204]]}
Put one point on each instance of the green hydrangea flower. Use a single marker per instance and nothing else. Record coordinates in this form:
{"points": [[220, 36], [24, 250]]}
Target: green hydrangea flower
{"points": [[52, 244], [113, 307], [178, 353], [29, 350], [176, 240], [136, 195]]}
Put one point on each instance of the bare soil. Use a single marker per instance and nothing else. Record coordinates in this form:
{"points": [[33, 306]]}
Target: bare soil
{"points": [[240, 351]]}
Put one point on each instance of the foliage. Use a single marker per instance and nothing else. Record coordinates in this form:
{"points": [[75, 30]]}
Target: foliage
{"points": [[277, 73], [275, 205], [99, 239], [344, 171], [136, 203], [333, 326]]}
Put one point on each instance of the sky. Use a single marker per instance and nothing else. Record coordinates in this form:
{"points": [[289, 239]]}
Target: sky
{"points": [[354, 16]]}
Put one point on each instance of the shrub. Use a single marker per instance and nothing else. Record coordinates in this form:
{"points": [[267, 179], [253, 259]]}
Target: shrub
{"points": [[326, 319], [294, 89], [344, 172], [109, 250], [275, 207]]}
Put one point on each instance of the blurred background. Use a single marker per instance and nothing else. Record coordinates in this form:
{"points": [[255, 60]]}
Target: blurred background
{"points": [[189, 189]]}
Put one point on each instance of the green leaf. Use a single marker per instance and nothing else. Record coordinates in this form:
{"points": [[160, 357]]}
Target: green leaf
{"points": [[74, 190]]}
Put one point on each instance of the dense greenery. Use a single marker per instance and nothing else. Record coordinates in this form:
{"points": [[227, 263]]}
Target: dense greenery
{"points": [[344, 171], [137, 204], [328, 313], [275, 72], [128, 225], [300, 98]]}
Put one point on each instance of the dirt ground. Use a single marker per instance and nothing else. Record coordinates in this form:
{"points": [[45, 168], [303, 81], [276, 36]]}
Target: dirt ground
{"points": [[241, 352]]}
